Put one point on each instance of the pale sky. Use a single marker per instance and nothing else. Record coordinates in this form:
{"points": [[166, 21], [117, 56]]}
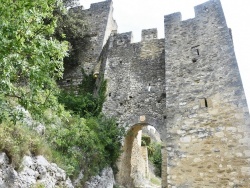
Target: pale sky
{"points": [[135, 15]]}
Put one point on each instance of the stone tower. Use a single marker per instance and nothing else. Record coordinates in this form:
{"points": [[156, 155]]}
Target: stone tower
{"points": [[188, 87], [100, 23], [207, 116]]}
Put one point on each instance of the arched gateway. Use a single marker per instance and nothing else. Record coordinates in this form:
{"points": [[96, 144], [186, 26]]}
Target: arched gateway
{"points": [[134, 166]]}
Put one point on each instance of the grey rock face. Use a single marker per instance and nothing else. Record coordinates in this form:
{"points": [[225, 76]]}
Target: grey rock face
{"points": [[29, 121], [105, 179], [33, 171]]}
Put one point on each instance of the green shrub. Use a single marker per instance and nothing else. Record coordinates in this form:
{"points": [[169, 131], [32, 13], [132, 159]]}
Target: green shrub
{"points": [[89, 144], [82, 101], [83, 105], [38, 185], [145, 140], [110, 135], [19, 140], [154, 152]]}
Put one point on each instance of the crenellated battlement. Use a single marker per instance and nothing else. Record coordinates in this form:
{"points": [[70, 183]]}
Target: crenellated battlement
{"points": [[209, 10], [122, 39], [149, 34], [206, 8], [172, 18], [101, 5]]}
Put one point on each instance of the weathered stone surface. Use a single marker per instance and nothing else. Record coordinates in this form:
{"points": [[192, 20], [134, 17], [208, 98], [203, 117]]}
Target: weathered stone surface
{"points": [[33, 171], [105, 179], [101, 24], [135, 75], [204, 92]]}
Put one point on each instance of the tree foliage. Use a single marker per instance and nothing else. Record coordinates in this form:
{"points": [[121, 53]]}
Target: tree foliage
{"points": [[90, 144], [82, 100], [73, 27], [30, 58], [96, 137]]}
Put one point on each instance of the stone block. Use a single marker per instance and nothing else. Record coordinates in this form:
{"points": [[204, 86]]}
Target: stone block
{"points": [[185, 139], [245, 171]]}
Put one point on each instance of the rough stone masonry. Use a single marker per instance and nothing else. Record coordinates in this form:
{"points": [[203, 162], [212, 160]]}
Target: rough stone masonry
{"points": [[187, 86]]}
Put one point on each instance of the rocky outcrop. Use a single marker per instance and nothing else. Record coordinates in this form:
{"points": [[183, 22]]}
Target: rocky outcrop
{"points": [[33, 171], [104, 179]]}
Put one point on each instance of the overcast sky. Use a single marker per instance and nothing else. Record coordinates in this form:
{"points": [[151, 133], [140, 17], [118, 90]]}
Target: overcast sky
{"points": [[135, 15]]}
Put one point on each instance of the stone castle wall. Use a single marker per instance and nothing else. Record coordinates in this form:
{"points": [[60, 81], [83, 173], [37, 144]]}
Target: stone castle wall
{"points": [[187, 86], [100, 25], [207, 114], [136, 80]]}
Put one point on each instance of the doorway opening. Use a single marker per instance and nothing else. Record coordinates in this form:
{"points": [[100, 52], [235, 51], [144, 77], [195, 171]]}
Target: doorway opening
{"points": [[141, 160]]}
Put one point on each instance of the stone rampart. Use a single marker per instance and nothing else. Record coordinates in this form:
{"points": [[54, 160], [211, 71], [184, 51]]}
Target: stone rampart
{"points": [[207, 116], [136, 80], [187, 86]]}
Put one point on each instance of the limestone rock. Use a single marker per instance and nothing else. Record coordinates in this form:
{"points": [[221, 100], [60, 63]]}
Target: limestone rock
{"points": [[105, 179], [33, 170]]}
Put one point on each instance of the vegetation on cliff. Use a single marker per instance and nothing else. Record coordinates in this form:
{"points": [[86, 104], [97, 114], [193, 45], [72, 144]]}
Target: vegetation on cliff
{"points": [[31, 60], [72, 27]]}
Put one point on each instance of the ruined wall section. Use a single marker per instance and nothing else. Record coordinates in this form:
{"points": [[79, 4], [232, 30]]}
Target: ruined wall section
{"points": [[101, 24], [136, 77], [208, 125], [116, 71]]}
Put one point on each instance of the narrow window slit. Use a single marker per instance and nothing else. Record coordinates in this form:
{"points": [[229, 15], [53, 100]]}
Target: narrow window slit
{"points": [[197, 50], [205, 102]]}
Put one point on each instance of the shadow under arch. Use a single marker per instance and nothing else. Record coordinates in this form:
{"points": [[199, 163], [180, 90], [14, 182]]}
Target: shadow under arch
{"points": [[133, 162]]}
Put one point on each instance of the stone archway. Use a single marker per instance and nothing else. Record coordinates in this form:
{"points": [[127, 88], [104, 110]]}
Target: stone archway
{"points": [[133, 164]]}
